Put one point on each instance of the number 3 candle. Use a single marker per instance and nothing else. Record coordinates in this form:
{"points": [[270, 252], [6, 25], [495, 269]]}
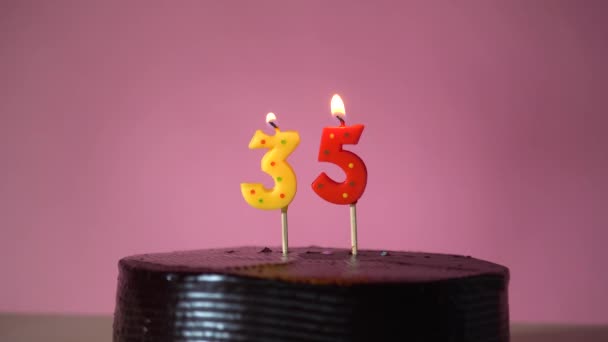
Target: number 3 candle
{"points": [[274, 163], [351, 189]]}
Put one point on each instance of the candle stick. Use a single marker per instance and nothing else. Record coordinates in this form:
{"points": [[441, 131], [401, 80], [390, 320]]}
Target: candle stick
{"points": [[284, 238], [274, 163], [351, 189], [353, 228]]}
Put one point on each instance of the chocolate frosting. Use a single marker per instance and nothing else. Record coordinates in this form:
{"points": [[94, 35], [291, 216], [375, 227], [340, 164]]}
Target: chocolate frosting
{"points": [[314, 294]]}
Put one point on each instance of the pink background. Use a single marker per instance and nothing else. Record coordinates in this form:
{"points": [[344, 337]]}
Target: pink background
{"points": [[125, 125]]}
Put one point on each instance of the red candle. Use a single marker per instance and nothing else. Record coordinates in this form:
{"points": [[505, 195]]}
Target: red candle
{"points": [[350, 190]]}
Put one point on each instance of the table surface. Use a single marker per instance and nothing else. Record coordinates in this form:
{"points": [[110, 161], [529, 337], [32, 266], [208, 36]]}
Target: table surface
{"points": [[57, 328]]}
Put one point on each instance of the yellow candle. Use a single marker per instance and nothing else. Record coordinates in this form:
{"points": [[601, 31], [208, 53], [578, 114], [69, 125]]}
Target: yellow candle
{"points": [[274, 163]]}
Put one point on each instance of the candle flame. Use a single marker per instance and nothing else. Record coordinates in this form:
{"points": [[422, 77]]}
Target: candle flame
{"points": [[337, 106], [270, 117]]}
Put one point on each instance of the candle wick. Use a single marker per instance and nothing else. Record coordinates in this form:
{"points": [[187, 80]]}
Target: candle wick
{"points": [[342, 122], [271, 123]]}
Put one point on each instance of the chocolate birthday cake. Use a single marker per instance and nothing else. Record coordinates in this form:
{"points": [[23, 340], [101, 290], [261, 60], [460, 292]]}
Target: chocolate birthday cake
{"points": [[315, 294]]}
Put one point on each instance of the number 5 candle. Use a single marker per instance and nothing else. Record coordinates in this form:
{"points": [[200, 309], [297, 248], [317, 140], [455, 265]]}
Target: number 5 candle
{"points": [[274, 163], [350, 190]]}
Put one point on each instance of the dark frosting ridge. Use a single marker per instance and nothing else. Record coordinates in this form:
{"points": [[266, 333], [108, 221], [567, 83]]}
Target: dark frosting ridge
{"points": [[315, 294]]}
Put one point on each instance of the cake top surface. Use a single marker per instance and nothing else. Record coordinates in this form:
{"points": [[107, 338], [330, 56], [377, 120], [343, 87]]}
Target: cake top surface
{"points": [[317, 265]]}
